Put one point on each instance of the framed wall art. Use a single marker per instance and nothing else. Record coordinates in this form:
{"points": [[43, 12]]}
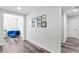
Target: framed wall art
{"points": [[43, 24], [38, 21], [33, 22], [44, 18]]}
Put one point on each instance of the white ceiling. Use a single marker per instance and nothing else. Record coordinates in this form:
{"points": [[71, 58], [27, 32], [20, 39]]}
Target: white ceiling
{"points": [[66, 8], [28, 9], [24, 9], [69, 10]]}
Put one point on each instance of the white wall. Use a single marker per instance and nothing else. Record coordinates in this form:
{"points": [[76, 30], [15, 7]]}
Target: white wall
{"points": [[73, 26], [1, 28], [49, 37]]}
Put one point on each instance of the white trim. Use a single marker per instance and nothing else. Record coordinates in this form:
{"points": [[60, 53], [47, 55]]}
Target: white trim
{"points": [[65, 27]]}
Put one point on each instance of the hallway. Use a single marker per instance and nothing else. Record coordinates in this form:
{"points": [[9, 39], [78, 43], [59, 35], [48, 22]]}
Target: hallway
{"points": [[37, 25]]}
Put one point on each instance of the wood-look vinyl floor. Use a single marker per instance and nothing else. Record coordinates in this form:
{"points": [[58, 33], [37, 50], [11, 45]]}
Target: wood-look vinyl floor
{"points": [[70, 46], [20, 46]]}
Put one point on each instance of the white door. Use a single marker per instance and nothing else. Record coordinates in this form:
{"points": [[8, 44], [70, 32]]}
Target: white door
{"points": [[73, 27]]}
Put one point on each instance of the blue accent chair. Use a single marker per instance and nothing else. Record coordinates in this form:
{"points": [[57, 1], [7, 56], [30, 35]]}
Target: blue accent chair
{"points": [[13, 34]]}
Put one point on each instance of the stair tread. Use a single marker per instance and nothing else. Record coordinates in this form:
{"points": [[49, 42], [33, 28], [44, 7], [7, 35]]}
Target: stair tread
{"points": [[65, 50], [75, 41], [70, 46]]}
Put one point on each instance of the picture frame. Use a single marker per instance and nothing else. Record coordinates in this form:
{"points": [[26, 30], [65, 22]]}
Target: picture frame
{"points": [[39, 21], [44, 18], [43, 24], [33, 22]]}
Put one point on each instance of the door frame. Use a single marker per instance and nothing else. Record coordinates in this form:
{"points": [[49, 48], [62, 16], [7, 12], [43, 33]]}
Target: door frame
{"points": [[65, 27], [18, 14]]}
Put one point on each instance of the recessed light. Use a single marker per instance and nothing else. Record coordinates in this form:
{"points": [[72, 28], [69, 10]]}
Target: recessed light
{"points": [[75, 10], [19, 8]]}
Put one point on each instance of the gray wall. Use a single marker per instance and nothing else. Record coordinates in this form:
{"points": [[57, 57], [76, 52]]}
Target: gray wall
{"points": [[49, 37]]}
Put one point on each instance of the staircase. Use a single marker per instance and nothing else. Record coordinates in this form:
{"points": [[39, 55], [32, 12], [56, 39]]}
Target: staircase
{"points": [[70, 46]]}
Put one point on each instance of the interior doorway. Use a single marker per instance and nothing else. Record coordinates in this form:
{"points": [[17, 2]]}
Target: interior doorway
{"points": [[71, 27], [70, 44], [13, 25]]}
